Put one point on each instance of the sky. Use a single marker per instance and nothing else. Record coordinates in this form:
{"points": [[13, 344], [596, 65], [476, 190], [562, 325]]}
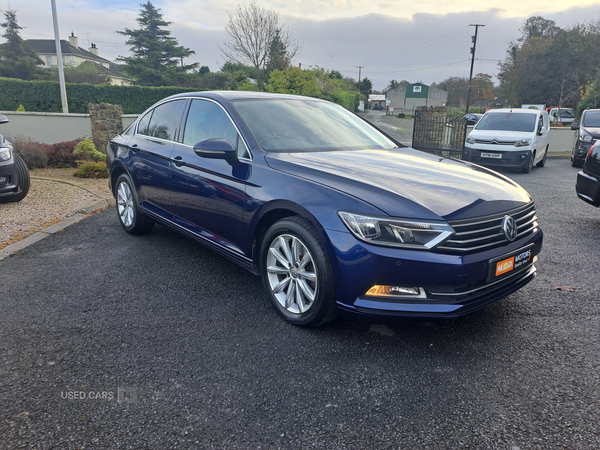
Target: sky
{"points": [[426, 41]]}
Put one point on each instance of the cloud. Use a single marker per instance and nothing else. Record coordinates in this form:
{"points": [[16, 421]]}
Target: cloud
{"points": [[392, 40]]}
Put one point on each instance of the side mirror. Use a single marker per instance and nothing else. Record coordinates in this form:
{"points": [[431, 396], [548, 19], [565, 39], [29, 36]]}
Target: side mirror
{"points": [[3, 119], [217, 149], [575, 126]]}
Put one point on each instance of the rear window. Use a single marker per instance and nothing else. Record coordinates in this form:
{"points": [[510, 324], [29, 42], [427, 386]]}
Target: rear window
{"points": [[507, 122]]}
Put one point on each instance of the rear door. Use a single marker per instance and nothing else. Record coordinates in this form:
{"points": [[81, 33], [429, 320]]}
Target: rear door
{"points": [[150, 152]]}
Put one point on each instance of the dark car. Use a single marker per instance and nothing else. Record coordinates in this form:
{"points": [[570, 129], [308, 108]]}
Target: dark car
{"points": [[334, 215], [472, 119], [587, 131], [14, 176], [588, 180]]}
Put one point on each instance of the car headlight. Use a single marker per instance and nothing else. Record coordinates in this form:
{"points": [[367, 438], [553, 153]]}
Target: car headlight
{"points": [[585, 137], [392, 232], [4, 153], [523, 143], [470, 140]]}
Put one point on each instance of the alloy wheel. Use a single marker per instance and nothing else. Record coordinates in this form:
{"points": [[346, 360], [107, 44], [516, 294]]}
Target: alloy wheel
{"points": [[125, 204], [292, 274]]}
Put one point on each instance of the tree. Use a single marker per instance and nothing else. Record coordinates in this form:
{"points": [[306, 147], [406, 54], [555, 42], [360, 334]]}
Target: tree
{"points": [[365, 86], [250, 35], [294, 81], [549, 65], [278, 56], [457, 88], [157, 58], [17, 59], [482, 87]]}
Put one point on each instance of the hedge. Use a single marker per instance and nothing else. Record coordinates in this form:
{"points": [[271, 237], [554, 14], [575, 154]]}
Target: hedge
{"points": [[44, 96]]}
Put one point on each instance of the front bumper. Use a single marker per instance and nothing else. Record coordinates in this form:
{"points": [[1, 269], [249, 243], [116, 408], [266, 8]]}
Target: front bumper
{"points": [[454, 284], [580, 152], [8, 180], [511, 159]]}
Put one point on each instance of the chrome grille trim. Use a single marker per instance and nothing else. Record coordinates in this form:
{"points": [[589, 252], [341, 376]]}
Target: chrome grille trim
{"points": [[484, 233], [494, 142]]}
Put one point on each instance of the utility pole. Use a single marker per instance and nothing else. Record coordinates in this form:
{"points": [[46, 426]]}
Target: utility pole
{"points": [[61, 73], [359, 67], [474, 40]]}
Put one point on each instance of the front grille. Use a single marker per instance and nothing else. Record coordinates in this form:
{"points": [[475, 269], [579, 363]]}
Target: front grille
{"points": [[493, 161], [486, 232], [494, 142]]}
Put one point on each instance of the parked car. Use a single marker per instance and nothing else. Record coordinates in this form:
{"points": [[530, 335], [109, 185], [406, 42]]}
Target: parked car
{"points": [[511, 138], [472, 119], [564, 116], [333, 214], [588, 180], [14, 176], [587, 131]]}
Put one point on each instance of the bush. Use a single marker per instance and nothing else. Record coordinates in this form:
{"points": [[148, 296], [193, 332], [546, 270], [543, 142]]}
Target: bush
{"points": [[92, 170], [32, 152], [60, 155], [44, 96], [87, 150]]}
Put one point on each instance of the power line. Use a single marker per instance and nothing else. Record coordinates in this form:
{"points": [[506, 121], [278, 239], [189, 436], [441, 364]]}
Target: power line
{"points": [[422, 68]]}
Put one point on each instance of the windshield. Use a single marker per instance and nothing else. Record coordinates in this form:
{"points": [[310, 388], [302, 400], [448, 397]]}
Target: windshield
{"points": [[566, 113], [591, 119], [507, 122], [305, 124]]}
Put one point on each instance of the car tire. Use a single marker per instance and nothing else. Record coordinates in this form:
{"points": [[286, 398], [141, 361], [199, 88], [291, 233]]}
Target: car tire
{"points": [[529, 164], [132, 220], [542, 163], [297, 274], [576, 163], [23, 181]]}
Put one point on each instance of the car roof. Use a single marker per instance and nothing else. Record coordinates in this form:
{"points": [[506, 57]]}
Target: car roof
{"points": [[514, 111], [241, 95]]}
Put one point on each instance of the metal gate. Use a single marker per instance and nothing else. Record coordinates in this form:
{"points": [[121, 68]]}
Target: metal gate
{"points": [[439, 135]]}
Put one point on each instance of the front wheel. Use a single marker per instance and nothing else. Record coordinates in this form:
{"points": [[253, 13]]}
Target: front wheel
{"points": [[529, 164], [542, 163], [296, 273], [132, 220], [23, 181]]}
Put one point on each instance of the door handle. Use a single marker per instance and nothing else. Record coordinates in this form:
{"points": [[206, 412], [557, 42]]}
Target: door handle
{"points": [[178, 160], [134, 147]]}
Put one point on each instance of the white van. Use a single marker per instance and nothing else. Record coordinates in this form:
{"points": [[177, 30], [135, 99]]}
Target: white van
{"points": [[510, 137]]}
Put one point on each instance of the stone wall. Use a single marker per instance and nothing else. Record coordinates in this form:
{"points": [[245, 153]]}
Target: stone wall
{"points": [[106, 120]]}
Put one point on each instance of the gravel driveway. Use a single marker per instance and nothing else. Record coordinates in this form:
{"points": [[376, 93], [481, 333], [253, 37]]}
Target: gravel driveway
{"points": [[54, 195]]}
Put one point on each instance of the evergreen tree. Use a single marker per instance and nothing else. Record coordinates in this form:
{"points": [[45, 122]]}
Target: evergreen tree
{"points": [[17, 59], [157, 58], [278, 55]]}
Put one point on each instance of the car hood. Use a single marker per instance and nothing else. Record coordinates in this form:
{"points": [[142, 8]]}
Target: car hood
{"points": [[593, 131], [405, 182], [501, 135]]}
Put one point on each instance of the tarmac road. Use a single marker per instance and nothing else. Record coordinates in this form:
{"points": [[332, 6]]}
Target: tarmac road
{"points": [[175, 347]]}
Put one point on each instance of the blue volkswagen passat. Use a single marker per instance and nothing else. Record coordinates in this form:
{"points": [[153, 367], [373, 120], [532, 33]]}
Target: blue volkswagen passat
{"points": [[333, 214]]}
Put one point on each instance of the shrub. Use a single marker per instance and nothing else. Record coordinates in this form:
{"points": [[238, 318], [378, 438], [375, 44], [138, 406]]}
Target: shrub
{"points": [[33, 153], [61, 155], [92, 170], [87, 150], [20, 108]]}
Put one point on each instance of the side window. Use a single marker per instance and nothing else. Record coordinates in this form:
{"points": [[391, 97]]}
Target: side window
{"points": [[541, 123], [207, 120], [144, 122], [164, 121]]}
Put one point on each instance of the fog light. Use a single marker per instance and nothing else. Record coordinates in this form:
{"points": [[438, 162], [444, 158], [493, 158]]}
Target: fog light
{"points": [[396, 291], [3, 180], [522, 156]]}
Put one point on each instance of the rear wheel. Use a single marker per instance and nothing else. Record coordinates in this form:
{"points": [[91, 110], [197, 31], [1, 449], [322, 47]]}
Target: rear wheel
{"points": [[297, 274], [23, 181], [132, 220]]}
